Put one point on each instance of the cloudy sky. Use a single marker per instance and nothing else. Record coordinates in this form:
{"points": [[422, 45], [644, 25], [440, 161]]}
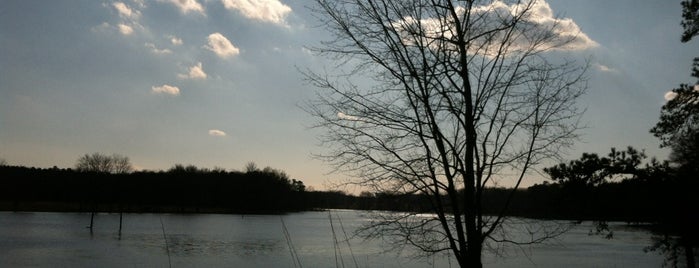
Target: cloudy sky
{"points": [[214, 83]]}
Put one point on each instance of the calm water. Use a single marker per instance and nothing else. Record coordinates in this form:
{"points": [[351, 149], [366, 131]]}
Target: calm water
{"points": [[62, 240]]}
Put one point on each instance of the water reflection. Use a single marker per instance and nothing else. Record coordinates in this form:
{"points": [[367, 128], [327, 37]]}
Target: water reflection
{"points": [[61, 240], [187, 245]]}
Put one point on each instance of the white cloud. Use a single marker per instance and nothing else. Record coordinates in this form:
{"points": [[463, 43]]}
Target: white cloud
{"points": [[125, 11], [176, 41], [272, 11], [186, 6], [216, 133], [670, 95], [306, 51], [157, 50], [539, 20], [195, 72], [129, 18], [125, 29], [344, 116], [565, 28], [220, 45], [604, 68], [166, 89]]}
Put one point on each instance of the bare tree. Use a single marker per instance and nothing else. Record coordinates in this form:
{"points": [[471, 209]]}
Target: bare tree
{"points": [[444, 98], [97, 162], [121, 164], [251, 167]]}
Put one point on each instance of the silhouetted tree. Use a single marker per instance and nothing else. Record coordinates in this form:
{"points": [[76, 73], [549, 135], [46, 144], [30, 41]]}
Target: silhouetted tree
{"points": [[591, 170], [97, 162], [251, 167], [690, 19], [121, 164], [678, 128], [100, 163], [462, 94], [297, 186], [618, 186]]}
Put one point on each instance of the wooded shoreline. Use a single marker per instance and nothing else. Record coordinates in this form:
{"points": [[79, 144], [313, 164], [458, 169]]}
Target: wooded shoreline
{"points": [[272, 192]]}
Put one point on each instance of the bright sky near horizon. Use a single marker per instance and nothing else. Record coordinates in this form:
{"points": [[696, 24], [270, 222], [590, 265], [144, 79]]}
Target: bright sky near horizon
{"points": [[215, 83]]}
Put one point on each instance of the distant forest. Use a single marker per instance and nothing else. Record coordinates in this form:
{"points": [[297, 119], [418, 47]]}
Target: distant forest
{"points": [[185, 189], [188, 189]]}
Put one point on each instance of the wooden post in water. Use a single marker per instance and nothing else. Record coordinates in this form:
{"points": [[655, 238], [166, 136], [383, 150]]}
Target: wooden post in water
{"points": [[92, 219], [120, 220]]}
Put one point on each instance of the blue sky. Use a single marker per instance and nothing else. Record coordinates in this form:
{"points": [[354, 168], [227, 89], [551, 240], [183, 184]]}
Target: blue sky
{"points": [[214, 83]]}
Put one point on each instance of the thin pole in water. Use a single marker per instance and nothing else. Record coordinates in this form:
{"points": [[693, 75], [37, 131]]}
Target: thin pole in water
{"points": [[167, 249], [338, 251], [292, 249], [92, 220], [349, 246]]}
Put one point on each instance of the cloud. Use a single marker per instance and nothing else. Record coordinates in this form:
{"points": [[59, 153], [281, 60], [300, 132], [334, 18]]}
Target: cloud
{"points": [[564, 28], [344, 116], [216, 133], [272, 11], [195, 72], [166, 89], [670, 95], [129, 18], [125, 11], [604, 68], [176, 41], [186, 6], [125, 29], [306, 51], [220, 45], [101, 28], [539, 20], [157, 50]]}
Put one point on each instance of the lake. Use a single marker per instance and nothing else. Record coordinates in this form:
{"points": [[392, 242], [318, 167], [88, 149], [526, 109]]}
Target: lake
{"points": [[39, 239]]}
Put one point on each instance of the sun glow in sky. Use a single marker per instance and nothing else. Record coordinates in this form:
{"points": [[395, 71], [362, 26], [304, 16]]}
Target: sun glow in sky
{"points": [[215, 83]]}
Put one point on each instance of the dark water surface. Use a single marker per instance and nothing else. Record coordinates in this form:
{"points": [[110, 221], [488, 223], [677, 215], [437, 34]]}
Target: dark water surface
{"points": [[38, 239]]}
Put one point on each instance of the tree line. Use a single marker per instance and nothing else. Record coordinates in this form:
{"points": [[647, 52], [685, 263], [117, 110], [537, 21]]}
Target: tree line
{"points": [[620, 186], [613, 187], [179, 189]]}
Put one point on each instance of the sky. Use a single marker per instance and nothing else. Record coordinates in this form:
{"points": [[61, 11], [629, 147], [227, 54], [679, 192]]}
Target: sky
{"points": [[216, 83]]}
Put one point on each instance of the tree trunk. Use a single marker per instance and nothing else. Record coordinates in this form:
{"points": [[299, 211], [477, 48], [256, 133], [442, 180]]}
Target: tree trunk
{"points": [[473, 255]]}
